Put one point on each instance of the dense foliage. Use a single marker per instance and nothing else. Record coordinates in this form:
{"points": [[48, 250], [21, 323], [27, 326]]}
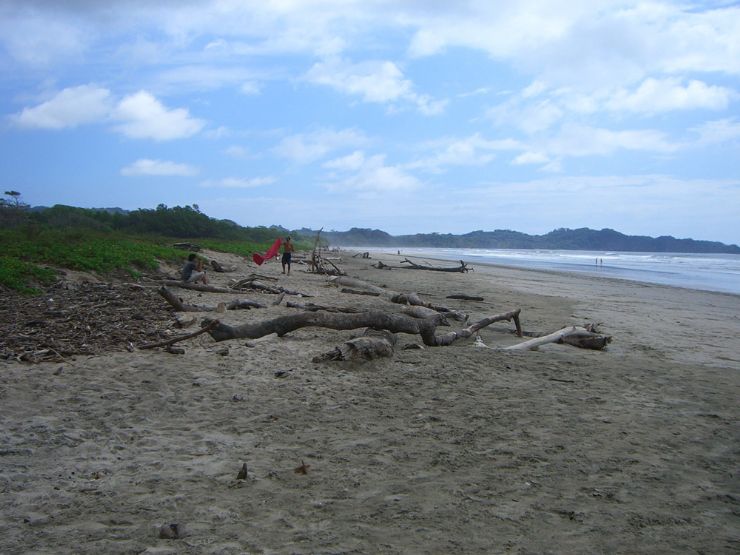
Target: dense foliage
{"points": [[109, 240]]}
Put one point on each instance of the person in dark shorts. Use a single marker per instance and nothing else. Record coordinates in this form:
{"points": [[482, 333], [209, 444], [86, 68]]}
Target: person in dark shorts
{"points": [[287, 253]]}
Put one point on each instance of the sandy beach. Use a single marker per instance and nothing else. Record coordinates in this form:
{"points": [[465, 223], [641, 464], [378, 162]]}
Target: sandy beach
{"points": [[455, 449]]}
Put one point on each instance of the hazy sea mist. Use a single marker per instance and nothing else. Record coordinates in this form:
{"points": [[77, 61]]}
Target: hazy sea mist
{"points": [[710, 272]]}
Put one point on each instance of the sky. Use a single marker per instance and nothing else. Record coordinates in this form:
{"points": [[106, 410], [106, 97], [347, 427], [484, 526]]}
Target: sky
{"points": [[410, 116]]}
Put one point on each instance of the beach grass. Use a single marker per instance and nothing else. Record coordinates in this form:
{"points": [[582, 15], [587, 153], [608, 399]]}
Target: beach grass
{"points": [[25, 254]]}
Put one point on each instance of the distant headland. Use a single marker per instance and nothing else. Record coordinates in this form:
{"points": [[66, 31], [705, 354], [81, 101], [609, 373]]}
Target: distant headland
{"points": [[559, 239]]}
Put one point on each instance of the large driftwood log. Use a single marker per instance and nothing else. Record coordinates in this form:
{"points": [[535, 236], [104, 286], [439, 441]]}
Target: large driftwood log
{"points": [[196, 287], [395, 323], [414, 266], [180, 306], [573, 335], [312, 307], [394, 296], [251, 283]]}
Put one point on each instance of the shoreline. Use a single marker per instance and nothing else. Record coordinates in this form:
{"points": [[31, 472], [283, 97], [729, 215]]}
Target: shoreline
{"points": [[443, 449], [585, 274]]}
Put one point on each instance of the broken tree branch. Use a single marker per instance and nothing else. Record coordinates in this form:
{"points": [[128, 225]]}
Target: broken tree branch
{"points": [[209, 326]]}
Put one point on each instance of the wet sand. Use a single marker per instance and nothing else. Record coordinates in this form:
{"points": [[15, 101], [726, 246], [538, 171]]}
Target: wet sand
{"points": [[441, 450]]}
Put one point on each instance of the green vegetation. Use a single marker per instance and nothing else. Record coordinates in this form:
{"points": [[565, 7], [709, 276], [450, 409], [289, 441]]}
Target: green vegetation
{"points": [[111, 240], [18, 275]]}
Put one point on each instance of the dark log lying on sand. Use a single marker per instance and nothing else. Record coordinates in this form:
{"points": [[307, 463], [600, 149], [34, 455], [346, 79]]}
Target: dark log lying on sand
{"points": [[197, 287], [414, 266], [395, 323], [463, 297], [178, 304]]}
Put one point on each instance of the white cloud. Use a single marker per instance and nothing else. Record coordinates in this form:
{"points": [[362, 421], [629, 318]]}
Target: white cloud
{"points": [[39, 39], [662, 95], [357, 172], [70, 107], [528, 117], [144, 117], [582, 140], [250, 88], [718, 131], [309, 147], [239, 182], [374, 81], [351, 162], [238, 152], [206, 77], [145, 166], [530, 158], [468, 151]]}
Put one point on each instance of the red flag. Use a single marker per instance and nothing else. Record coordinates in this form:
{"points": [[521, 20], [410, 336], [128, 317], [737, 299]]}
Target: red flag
{"points": [[271, 252]]}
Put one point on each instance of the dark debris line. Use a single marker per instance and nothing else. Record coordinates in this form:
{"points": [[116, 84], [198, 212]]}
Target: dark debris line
{"points": [[80, 319]]}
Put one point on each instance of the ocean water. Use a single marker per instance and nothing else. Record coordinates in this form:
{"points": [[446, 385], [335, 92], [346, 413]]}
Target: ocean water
{"points": [[709, 272]]}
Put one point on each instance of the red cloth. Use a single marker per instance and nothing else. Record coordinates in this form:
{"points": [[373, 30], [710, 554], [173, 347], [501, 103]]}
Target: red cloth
{"points": [[271, 253]]}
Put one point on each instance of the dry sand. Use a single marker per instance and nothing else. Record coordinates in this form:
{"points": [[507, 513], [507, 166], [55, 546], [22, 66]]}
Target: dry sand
{"points": [[443, 450]]}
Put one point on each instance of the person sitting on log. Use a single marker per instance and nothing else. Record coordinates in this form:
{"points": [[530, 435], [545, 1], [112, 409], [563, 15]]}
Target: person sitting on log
{"points": [[193, 270]]}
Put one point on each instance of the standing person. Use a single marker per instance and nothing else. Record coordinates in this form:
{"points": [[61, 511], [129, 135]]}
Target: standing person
{"points": [[287, 253], [193, 270]]}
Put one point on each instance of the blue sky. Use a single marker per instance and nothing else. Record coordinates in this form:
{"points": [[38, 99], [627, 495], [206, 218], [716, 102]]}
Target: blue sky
{"points": [[403, 115]]}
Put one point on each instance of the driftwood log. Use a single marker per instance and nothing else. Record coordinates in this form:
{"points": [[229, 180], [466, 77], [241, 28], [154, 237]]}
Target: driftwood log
{"points": [[180, 306], [414, 266], [572, 335], [464, 297], [371, 345], [205, 329], [359, 292], [187, 246], [218, 267], [393, 296], [196, 287], [312, 307], [395, 323]]}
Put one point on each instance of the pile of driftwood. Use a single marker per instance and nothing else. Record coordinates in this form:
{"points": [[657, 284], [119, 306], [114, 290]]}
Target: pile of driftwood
{"points": [[321, 264], [415, 316], [70, 319]]}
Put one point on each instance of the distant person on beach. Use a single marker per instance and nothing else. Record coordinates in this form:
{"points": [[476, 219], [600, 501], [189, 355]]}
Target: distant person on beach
{"points": [[287, 253], [193, 270]]}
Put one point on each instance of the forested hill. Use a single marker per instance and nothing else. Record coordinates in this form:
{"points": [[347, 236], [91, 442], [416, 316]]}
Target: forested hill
{"points": [[565, 239]]}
